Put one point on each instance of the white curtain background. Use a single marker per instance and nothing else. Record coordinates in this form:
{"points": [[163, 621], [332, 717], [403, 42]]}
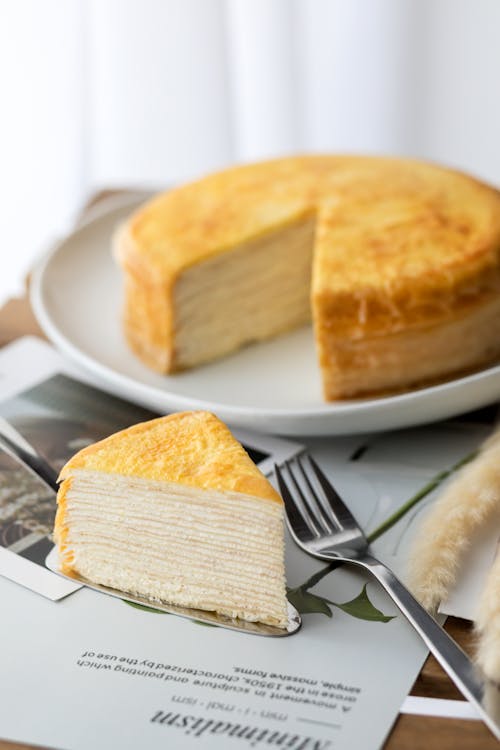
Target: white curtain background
{"points": [[106, 93]]}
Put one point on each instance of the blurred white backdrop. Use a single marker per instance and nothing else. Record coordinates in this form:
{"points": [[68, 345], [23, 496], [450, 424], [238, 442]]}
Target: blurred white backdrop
{"points": [[102, 93]]}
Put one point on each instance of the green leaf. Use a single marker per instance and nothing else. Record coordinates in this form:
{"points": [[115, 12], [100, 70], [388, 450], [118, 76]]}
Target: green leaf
{"points": [[316, 577], [307, 603], [362, 608], [144, 608], [206, 624]]}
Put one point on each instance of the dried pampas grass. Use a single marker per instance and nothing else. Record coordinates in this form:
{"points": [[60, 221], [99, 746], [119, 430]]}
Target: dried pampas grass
{"points": [[467, 502], [471, 499]]}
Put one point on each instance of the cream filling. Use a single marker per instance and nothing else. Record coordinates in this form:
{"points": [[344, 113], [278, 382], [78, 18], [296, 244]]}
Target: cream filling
{"points": [[210, 550], [250, 293]]}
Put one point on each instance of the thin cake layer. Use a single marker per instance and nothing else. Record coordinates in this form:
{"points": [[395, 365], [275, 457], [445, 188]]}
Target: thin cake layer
{"points": [[261, 289], [210, 550]]}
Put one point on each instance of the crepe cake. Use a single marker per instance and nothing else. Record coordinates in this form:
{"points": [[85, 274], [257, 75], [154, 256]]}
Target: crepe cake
{"points": [[395, 261], [175, 510]]}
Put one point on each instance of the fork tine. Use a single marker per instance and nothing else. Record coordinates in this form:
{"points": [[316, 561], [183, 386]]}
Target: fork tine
{"points": [[344, 517], [327, 517], [309, 507], [297, 521]]}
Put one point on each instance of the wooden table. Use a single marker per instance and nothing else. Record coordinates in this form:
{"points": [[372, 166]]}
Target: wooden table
{"points": [[409, 732]]}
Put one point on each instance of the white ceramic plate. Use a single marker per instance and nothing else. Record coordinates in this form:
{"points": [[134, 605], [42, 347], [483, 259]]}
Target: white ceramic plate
{"points": [[272, 387]]}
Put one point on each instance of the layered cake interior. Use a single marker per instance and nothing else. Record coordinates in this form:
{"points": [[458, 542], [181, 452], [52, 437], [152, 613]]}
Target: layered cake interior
{"points": [[174, 510], [259, 290]]}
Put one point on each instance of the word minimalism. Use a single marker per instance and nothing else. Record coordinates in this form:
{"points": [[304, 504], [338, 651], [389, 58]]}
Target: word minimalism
{"points": [[255, 736]]}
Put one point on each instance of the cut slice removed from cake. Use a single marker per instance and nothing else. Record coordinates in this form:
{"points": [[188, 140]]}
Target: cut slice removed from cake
{"points": [[174, 510]]}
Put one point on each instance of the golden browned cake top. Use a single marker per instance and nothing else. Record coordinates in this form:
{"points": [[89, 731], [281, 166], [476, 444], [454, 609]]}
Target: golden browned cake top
{"points": [[193, 448], [380, 222]]}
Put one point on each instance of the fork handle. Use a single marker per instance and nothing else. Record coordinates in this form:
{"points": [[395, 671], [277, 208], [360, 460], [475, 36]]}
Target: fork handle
{"points": [[482, 693]]}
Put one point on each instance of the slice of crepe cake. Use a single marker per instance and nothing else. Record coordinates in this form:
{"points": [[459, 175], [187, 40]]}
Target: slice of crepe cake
{"points": [[175, 510]]}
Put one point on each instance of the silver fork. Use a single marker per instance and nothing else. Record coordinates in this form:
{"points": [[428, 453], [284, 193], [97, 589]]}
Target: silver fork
{"points": [[323, 526]]}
